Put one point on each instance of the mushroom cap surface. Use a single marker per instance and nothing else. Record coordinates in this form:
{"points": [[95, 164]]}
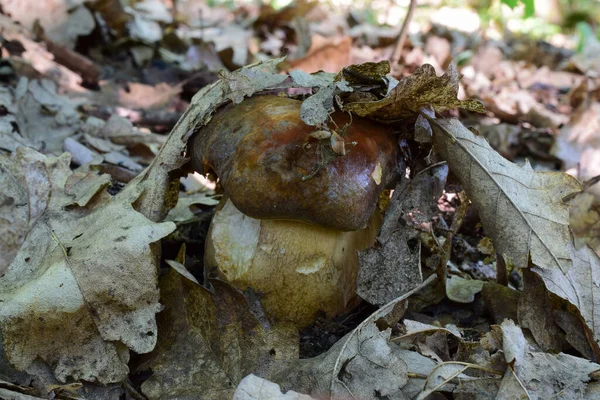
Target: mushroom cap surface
{"points": [[272, 168]]}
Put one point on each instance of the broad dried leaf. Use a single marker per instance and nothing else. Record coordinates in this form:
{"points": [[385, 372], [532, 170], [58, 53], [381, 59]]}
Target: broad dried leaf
{"points": [[520, 209], [393, 268], [535, 313], [44, 117], [362, 365], [209, 341], [158, 189], [82, 288], [580, 287], [540, 375], [422, 88], [253, 387]]}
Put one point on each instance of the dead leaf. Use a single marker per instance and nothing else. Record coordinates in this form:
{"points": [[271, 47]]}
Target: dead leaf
{"points": [[62, 21], [580, 287], [45, 118], [393, 267], [253, 387], [501, 301], [209, 341], [422, 88], [325, 54], [362, 364], [539, 375], [521, 210], [535, 313], [181, 212], [82, 286], [462, 290]]}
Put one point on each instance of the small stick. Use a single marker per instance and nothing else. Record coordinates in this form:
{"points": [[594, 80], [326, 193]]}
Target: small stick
{"points": [[397, 54]]}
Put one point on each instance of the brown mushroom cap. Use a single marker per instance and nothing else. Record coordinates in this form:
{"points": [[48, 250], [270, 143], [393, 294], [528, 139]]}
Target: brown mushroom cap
{"points": [[266, 161]]}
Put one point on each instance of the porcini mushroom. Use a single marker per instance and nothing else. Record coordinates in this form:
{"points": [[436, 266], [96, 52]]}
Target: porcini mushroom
{"points": [[299, 202]]}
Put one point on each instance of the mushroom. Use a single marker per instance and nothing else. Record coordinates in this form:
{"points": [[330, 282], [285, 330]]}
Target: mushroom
{"points": [[299, 202]]}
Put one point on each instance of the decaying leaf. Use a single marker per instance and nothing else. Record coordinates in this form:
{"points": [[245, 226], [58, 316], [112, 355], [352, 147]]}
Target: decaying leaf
{"points": [[580, 287], [209, 341], [393, 267], [157, 184], [363, 364], [181, 212], [82, 286], [462, 290], [520, 209], [45, 118], [535, 314], [422, 88], [540, 375], [253, 387]]}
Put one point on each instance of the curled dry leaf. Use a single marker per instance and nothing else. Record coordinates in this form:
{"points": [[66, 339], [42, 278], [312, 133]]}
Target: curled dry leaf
{"points": [[82, 288], [520, 209], [156, 182], [422, 88]]}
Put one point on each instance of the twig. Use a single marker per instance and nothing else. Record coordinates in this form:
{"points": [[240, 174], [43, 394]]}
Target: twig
{"points": [[397, 54]]}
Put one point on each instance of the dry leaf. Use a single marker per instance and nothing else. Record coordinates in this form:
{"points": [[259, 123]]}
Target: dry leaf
{"points": [[520, 209], [209, 341], [363, 364], [253, 387], [82, 288], [540, 375], [63, 21], [535, 314], [580, 287], [422, 88]]}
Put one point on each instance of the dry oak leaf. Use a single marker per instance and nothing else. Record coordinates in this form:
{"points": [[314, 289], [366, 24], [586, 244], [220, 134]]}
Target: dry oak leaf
{"points": [[520, 209], [422, 88], [81, 291]]}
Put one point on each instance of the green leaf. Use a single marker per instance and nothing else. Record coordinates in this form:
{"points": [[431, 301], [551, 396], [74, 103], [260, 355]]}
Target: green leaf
{"points": [[529, 8], [510, 3]]}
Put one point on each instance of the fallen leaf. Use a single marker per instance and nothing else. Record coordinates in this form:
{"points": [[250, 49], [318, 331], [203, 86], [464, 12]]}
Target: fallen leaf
{"points": [[535, 313], [209, 341], [422, 88], [62, 21], [45, 118], [539, 375], [520, 209], [325, 54], [462, 290], [82, 286], [580, 287], [253, 387], [363, 364]]}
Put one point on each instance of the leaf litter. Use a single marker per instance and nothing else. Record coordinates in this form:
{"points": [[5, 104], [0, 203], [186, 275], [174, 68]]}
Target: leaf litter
{"points": [[81, 269]]}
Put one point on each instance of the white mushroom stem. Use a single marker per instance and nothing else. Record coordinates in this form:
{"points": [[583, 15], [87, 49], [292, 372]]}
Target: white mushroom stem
{"points": [[300, 269]]}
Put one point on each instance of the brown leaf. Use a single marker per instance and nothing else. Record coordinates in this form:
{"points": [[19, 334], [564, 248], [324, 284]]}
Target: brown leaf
{"points": [[520, 209], [413, 92], [82, 288], [209, 341], [580, 287]]}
